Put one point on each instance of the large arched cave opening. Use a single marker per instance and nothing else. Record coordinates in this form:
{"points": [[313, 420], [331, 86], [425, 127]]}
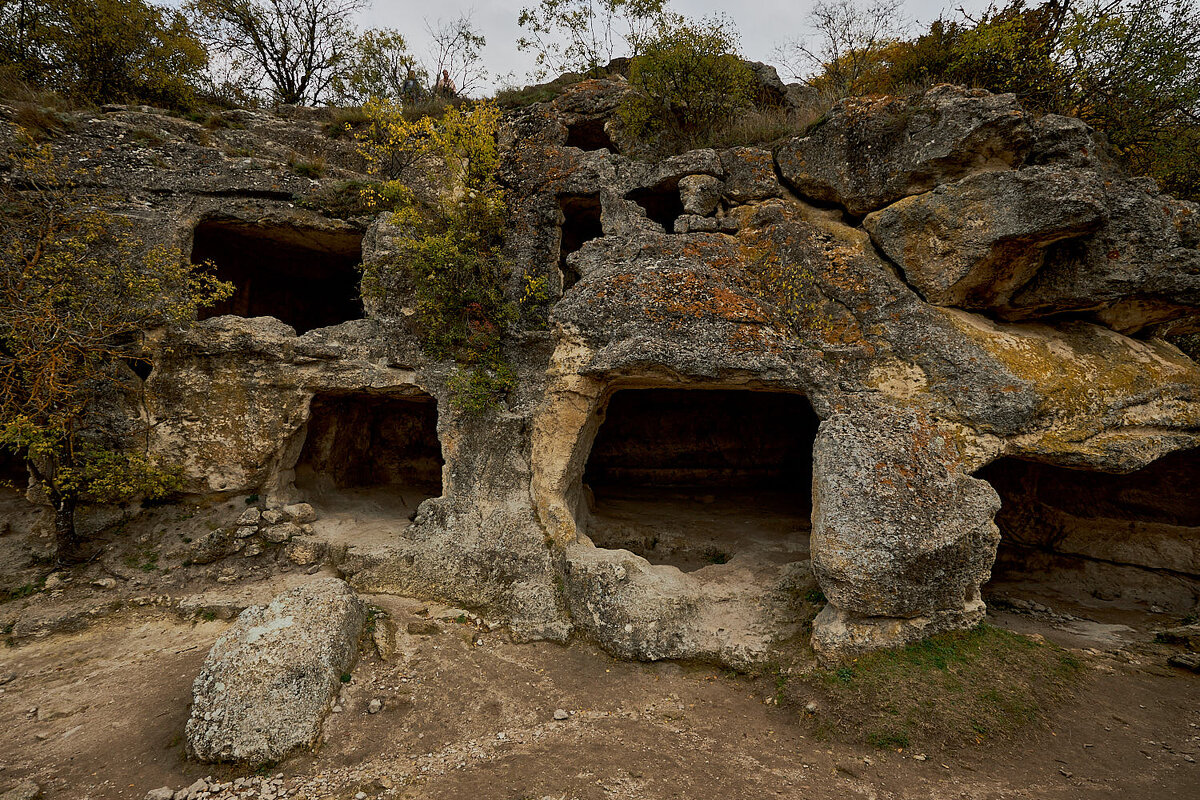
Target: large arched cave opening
{"points": [[304, 277], [1099, 540], [693, 477]]}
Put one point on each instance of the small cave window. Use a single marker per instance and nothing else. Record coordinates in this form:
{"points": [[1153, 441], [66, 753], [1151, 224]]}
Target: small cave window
{"points": [[14, 475], [694, 477], [589, 134], [1095, 541], [662, 203], [371, 453], [580, 224], [141, 367], [303, 277]]}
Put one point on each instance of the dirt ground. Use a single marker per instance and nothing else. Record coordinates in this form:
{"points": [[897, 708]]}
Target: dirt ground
{"points": [[99, 713], [93, 702]]}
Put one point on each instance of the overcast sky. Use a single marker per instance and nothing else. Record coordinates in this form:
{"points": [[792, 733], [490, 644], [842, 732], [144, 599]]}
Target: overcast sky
{"points": [[762, 24]]}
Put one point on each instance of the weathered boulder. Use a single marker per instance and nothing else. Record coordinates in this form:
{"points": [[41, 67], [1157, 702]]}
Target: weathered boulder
{"points": [[973, 243], [632, 606], [270, 680], [899, 530], [700, 193], [1141, 268], [867, 153], [749, 174]]}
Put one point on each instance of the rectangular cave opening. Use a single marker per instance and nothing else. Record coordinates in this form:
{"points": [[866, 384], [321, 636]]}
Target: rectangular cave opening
{"points": [[1099, 543], [661, 203], [589, 134], [696, 477], [580, 224], [304, 277], [371, 458]]}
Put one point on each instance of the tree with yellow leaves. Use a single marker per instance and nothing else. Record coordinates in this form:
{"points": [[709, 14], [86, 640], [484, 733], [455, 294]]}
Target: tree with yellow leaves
{"points": [[77, 292]]}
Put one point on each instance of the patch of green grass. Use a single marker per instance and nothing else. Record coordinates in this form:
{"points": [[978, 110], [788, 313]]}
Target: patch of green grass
{"points": [[24, 590], [346, 199], [217, 120], [147, 136], [307, 168], [513, 97], [143, 558], [345, 121], [951, 689], [759, 126], [345, 677]]}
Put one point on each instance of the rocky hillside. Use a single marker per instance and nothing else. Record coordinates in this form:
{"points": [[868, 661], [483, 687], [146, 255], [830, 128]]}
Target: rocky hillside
{"points": [[841, 331]]}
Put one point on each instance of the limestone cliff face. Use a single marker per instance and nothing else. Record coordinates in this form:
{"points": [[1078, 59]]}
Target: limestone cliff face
{"points": [[947, 279]]}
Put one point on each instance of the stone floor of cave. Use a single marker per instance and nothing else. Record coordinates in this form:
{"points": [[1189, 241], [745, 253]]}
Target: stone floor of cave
{"points": [[697, 528], [365, 517]]}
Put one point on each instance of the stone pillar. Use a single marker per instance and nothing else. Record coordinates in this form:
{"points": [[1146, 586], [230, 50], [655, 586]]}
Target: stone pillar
{"points": [[902, 539]]}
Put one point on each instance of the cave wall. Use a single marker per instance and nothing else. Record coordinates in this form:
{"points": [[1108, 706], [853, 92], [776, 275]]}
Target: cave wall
{"points": [[1052, 519], [704, 438], [358, 440]]}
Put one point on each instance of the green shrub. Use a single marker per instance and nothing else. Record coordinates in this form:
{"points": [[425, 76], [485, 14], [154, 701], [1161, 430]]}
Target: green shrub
{"points": [[447, 260], [689, 80]]}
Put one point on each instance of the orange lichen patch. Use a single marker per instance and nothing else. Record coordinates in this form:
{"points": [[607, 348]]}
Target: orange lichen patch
{"points": [[755, 339], [674, 297], [686, 294]]}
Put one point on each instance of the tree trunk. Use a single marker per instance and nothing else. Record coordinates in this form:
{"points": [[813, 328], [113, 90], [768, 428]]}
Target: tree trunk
{"points": [[68, 548]]}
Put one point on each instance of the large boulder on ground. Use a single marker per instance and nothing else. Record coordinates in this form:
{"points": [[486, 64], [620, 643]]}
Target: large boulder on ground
{"points": [[270, 680], [867, 153], [899, 531]]}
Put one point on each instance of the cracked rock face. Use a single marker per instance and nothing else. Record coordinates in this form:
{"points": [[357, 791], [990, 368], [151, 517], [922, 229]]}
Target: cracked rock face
{"points": [[270, 680], [945, 279]]}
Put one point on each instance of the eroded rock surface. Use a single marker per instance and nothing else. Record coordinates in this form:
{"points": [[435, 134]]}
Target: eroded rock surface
{"points": [[270, 680], [945, 279]]}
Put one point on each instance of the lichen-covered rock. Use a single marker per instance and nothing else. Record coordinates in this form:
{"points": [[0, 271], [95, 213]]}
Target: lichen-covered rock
{"points": [[1140, 269], [270, 680], [975, 242], [749, 174], [867, 153], [700, 193], [899, 530]]}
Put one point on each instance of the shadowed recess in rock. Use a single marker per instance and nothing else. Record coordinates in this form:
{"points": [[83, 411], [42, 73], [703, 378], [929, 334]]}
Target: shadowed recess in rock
{"points": [[662, 203], [358, 441], [580, 224], [589, 134], [13, 473], [698, 477], [303, 277], [1132, 539]]}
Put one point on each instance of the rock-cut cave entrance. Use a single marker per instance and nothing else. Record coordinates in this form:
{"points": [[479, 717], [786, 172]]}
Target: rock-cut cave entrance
{"points": [[694, 477], [1096, 541], [580, 223], [304, 277], [368, 460]]}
